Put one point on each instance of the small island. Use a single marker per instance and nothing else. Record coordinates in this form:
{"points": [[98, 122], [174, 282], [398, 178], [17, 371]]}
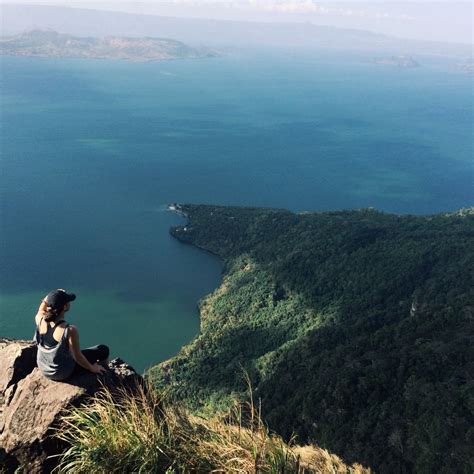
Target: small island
{"points": [[406, 62], [467, 66], [48, 43]]}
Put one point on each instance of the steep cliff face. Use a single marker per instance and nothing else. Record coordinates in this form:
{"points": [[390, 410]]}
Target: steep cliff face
{"points": [[31, 405], [354, 326]]}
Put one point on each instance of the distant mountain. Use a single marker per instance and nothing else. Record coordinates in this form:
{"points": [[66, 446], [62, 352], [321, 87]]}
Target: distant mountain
{"points": [[16, 19], [47, 43]]}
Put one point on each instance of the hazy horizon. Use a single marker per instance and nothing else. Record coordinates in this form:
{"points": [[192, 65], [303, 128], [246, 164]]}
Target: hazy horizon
{"points": [[447, 22]]}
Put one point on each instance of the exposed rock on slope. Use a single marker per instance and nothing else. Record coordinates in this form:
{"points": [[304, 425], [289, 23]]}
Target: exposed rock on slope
{"points": [[30, 404]]}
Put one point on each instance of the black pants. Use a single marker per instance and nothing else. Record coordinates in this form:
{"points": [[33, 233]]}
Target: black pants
{"points": [[93, 354], [96, 353]]}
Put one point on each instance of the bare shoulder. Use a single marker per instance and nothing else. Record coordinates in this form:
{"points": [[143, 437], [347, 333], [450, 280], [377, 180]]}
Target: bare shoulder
{"points": [[73, 330]]}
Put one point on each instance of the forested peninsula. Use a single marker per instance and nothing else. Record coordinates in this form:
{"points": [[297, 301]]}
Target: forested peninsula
{"points": [[355, 328]]}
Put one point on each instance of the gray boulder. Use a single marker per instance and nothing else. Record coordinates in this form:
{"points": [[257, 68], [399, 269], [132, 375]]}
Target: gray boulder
{"points": [[17, 360]]}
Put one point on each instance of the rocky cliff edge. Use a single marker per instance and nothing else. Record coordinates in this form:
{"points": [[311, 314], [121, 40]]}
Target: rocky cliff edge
{"points": [[31, 405]]}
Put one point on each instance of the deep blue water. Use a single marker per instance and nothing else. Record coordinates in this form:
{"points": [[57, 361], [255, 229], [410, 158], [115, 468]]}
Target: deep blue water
{"points": [[93, 150]]}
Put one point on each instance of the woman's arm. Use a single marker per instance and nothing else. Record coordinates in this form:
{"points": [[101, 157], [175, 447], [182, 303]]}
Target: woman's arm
{"points": [[41, 310], [78, 355], [42, 306]]}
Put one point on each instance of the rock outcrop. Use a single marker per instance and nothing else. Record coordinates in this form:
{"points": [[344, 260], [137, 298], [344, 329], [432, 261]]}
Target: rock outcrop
{"points": [[31, 405], [17, 360]]}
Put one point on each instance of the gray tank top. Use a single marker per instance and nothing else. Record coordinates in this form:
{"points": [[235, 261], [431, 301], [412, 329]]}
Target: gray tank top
{"points": [[56, 363]]}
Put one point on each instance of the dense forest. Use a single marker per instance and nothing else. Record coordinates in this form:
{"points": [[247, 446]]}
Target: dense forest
{"points": [[355, 328]]}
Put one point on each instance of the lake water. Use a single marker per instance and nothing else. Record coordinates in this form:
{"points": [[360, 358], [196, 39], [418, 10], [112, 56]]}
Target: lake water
{"points": [[92, 151]]}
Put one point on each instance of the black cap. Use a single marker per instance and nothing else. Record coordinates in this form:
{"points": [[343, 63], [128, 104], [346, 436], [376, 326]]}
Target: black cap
{"points": [[58, 298]]}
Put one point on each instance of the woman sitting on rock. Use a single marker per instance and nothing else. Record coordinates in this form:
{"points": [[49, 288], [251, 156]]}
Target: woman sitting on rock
{"points": [[59, 353]]}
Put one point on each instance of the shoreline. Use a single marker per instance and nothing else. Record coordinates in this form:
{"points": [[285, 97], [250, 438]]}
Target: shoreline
{"points": [[177, 208]]}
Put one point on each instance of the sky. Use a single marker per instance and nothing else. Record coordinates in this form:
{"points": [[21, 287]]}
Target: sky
{"points": [[447, 21]]}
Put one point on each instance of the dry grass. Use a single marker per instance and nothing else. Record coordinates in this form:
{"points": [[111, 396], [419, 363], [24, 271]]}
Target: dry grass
{"points": [[316, 460], [144, 433]]}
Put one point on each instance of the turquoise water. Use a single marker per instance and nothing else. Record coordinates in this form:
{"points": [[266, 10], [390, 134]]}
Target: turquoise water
{"points": [[93, 150]]}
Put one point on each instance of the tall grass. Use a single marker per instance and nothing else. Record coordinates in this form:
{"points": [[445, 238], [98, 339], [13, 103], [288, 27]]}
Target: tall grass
{"points": [[142, 432]]}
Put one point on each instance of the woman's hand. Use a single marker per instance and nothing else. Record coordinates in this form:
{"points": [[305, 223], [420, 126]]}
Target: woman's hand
{"points": [[97, 369]]}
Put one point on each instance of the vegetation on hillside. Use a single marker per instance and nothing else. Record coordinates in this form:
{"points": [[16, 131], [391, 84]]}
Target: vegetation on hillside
{"points": [[145, 433], [355, 327]]}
